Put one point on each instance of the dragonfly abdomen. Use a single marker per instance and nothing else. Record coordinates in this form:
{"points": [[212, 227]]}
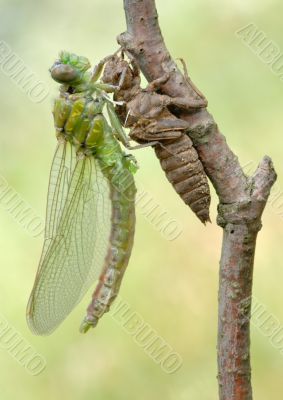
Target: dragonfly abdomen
{"points": [[120, 247], [95, 137]]}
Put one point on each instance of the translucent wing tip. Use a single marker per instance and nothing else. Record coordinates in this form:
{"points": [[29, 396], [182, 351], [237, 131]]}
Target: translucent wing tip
{"points": [[35, 328], [36, 323]]}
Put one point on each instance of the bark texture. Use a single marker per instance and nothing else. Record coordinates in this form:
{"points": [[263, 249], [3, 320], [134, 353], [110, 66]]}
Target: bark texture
{"points": [[241, 198]]}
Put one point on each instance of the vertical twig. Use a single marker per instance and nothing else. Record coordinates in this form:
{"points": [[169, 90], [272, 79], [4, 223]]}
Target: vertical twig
{"points": [[241, 199]]}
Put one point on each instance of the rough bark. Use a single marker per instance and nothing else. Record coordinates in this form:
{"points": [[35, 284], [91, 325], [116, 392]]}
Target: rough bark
{"points": [[241, 198]]}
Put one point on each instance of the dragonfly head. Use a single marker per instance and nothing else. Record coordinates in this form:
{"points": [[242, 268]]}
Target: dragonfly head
{"points": [[69, 68]]}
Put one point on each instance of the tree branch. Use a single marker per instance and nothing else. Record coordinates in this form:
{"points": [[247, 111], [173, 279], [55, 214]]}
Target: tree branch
{"points": [[241, 199]]}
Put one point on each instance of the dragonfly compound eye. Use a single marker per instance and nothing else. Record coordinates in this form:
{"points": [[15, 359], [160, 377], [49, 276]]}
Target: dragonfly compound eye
{"points": [[64, 73]]}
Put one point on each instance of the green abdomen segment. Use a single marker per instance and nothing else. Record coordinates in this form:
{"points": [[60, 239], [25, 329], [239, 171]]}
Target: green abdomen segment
{"points": [[115, 167], [87, 129], [120, 246]]}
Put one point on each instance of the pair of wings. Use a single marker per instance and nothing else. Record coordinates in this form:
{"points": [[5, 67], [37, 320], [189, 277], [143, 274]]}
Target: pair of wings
{"points": [[77, 231]]}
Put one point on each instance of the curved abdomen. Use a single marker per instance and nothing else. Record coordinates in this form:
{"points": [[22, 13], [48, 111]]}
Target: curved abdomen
{"points": [[120, 247], [184, 170]]}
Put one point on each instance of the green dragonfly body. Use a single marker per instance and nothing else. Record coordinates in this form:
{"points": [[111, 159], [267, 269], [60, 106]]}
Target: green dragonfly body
{"points": [[90, 219]]}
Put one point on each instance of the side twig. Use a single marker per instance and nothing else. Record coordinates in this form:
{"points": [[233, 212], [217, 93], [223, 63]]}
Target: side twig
{"points": [[241, 199]]}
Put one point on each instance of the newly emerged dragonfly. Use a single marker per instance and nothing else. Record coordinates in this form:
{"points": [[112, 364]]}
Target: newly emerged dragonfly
{"points": [[90, 219]]}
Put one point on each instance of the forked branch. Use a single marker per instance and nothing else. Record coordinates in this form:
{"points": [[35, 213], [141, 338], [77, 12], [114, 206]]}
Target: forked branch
{"points": [[241, 198]]}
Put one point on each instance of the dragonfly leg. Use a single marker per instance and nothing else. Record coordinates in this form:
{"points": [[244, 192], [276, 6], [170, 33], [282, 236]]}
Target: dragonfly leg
{"points": [[156, 131], [157, 83], [188, 79], [97, 70], [106, 87], [117, 126], [120, 133], [143, 145]]}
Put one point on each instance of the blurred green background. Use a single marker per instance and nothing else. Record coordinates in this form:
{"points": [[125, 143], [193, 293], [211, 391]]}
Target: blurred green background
{"points": [[172, 284]]}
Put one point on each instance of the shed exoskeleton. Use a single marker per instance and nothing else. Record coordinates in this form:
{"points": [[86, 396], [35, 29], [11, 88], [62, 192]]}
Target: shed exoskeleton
{"points": [[147, 113]]}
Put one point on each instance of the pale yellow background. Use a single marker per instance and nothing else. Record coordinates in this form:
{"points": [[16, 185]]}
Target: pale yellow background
{"points": [[172, 284]]}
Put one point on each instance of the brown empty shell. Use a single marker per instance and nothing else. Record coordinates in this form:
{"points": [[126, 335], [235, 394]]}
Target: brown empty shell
{"points": [[184, 170]]}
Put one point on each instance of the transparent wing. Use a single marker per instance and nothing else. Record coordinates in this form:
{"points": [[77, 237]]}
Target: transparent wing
{"points": [[60, 175], [77, 249]]}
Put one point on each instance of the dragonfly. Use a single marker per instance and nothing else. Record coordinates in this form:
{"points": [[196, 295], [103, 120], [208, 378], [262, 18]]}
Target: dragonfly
{"points": [[90, 216]]}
